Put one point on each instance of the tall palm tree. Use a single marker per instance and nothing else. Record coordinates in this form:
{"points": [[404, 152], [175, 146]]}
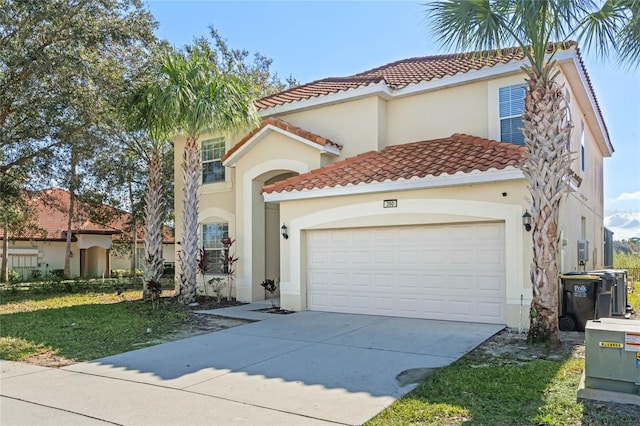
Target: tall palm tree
{"points": [[540, 28], [149, 140], [193, 97]]}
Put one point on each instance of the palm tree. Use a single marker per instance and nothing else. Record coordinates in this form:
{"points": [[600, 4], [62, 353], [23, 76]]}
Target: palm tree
{"points": [[192, 97], [149, 141], [541, 28]]}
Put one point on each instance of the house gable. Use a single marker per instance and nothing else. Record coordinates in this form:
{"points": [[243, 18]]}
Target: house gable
{"points": [[323, 145]]}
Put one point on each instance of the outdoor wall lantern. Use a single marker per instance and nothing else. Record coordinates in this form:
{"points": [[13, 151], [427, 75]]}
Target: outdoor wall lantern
{"points": [[283, 231], [526, 220]]}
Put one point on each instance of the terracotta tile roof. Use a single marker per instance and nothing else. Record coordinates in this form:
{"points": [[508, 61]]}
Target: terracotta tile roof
{"points": [[457, 153], [399, 74], [50, 220], [281, 124]]}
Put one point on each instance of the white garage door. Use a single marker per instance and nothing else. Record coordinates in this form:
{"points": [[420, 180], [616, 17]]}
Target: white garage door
{"points": [[452, 272]]}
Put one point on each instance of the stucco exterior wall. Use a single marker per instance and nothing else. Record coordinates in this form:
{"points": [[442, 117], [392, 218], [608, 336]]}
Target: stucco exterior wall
{"points": [[275, 154], [355, 125], [437, 114], [50, 255]]}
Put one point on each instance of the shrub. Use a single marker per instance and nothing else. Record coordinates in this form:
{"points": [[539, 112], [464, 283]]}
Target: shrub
{"points": [[168, 270], [57, 273], [124, 273], [14, 276]]}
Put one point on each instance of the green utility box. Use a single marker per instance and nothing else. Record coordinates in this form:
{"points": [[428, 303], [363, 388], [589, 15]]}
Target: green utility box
{"points": [[612, 357]]}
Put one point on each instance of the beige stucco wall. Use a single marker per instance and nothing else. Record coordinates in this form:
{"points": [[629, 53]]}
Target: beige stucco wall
{"points": [[50, 255], [355, 125], [275, 154], [437, 114]]}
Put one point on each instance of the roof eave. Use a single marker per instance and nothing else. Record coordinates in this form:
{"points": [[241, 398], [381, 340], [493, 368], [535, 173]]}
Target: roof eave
{"points": [[385, 92], [264, 132], [427, 182], [570, 63]]}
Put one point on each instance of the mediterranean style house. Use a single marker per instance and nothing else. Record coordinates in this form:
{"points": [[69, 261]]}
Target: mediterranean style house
{"points": [[40, 249], [398, 191]]}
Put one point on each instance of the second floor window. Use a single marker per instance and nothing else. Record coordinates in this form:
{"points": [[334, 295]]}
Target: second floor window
{"points": [[212, 152], [511, 105]]}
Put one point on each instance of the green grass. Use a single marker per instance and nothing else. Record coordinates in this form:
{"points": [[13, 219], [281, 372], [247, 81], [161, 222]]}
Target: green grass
{"points": [[539, 392], [487, 395], [82, 327], [633, 299]]}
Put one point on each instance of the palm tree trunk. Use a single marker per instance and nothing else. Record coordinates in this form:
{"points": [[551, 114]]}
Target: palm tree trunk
{"points": [[191, 169], [153, 212], [71, 212], [547, 133], [134, 234], [4, 271]]}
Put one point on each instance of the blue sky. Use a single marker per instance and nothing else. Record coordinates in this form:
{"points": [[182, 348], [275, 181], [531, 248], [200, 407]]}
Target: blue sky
{"points": [[314, 40]]}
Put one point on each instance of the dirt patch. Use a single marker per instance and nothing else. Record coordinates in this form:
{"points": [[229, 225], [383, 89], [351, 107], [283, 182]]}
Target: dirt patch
{"points": [[48, 360], [510, 347], [274, 310], [197, 324]]}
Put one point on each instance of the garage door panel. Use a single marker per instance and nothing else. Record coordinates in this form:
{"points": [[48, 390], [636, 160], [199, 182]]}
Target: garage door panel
{"points": [[490, 257], [408, 281], [338, 280], [463, 283], [433, 256], [439, 272], [407, 307], [382, 235], [318, 279], [360, 280], [432, 307], [491, 232], [490, 309], [408, 257], [362, 257], [490, 283]]}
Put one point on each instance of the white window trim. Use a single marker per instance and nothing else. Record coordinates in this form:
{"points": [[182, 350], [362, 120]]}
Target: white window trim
{"points": [[213, 249], [226, 172], [506, 117]]}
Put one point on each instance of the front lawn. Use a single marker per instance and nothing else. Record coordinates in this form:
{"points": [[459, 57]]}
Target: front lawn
{"points": [[82, 326]]}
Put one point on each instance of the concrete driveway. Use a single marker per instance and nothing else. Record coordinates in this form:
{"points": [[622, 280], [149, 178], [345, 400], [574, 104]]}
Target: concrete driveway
{"points": [[303, 368]]}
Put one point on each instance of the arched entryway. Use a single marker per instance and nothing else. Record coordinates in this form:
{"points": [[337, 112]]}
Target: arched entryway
{"points": [[259, 251]]}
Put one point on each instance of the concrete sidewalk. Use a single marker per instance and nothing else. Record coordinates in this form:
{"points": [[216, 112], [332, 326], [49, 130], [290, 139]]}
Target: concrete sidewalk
{"points": [[297, 369]]}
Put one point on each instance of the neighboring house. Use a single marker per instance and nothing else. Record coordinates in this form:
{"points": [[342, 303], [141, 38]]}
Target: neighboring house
{"points": [[41, 249], [396, 194]]}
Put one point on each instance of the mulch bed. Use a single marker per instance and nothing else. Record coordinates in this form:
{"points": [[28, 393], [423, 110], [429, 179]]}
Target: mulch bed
{"points": [[205, 303]]}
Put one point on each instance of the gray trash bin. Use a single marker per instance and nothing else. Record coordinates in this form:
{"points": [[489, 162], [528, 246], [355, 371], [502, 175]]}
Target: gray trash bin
{"points": [[619, 306]]}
